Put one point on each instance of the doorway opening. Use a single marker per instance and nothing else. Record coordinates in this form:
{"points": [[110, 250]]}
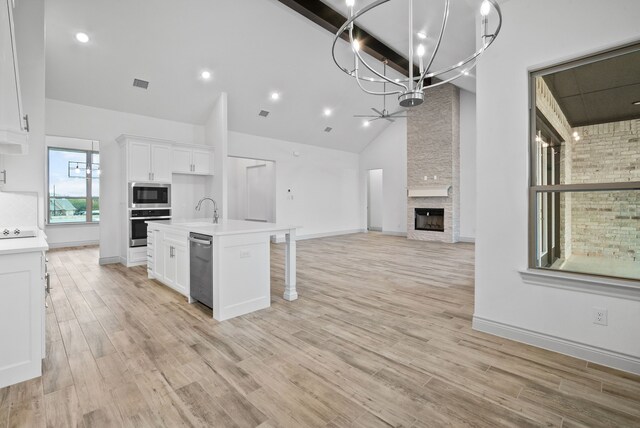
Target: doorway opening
{"points": [[252, 189], [374, 200]]}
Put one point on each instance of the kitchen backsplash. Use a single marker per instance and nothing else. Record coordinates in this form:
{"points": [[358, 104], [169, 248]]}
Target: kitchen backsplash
{"points": [[18, 209]]}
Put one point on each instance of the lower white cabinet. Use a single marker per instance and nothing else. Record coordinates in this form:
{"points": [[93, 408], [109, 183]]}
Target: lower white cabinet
{"points": [[169, 261], [22, 315]]}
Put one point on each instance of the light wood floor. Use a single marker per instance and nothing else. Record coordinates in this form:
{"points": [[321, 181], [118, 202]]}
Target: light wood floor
{"points": [[381, 335]]}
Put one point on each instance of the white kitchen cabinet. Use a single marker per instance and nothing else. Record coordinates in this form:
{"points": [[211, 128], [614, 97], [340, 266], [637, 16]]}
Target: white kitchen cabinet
{"points": [[13, 121], [192, 160], [22, 315], [147, 160], [182, 163], [176, 263], [168, 260]]}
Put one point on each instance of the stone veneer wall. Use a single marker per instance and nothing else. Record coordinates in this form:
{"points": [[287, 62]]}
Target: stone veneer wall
{"points": [[606, 223], [433, 149]]}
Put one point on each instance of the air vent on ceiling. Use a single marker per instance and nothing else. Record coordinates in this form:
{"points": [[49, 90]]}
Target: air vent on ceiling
{"points": [[263, 113], [328, 129], [139, 83]]}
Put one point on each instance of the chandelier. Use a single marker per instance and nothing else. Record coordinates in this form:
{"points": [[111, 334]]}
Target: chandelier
{"points": [[410, 90]]}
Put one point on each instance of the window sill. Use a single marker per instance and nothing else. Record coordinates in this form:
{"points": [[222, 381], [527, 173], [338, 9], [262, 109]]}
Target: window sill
{"points": [[626, 289]]}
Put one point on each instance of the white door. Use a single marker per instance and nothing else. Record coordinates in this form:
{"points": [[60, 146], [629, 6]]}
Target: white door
{"points": [[374, 200], [181, 159], [139, 161], [258, 193], [161, 163]]}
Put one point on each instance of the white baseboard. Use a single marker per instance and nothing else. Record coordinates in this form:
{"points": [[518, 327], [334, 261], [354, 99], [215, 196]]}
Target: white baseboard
{"points": [[280, 239], [328, 234], [73, 244], [109, 260], [403, 234], [583, 351], [467, 239]]}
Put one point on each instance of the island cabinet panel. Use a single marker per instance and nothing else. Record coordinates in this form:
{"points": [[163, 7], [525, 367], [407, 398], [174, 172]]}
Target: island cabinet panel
{"points": [[169, 263], [22, 300], [241, 275]]}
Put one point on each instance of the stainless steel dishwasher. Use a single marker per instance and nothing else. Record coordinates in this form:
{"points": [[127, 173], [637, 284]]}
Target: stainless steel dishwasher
{"points": [[201, 268]]}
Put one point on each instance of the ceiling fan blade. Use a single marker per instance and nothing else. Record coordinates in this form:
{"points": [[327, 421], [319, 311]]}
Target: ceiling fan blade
{"points": [[389, 119], [398, 112], [377, 118], [363, 115], [378, 111]]}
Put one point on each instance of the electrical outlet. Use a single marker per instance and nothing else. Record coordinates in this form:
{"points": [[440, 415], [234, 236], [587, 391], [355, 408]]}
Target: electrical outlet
{"points": [[600, 316]]}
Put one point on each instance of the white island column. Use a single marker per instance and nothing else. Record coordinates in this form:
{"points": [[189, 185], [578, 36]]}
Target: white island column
{"points": [[290, 292]]}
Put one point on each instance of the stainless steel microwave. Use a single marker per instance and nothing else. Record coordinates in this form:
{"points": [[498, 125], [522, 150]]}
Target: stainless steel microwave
{"points": [[149, 195]]}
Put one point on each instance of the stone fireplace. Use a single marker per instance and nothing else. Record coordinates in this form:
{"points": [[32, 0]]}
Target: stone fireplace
{"points": [[433, 166]]}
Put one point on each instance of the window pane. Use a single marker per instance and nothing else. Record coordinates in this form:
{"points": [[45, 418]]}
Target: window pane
{"points": [[67, 186], [588, 115], [595, 232], [95, 187]]}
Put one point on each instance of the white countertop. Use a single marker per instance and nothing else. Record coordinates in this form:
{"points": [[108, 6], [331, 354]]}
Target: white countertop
{"points": [[224, 227], [24, 245]]}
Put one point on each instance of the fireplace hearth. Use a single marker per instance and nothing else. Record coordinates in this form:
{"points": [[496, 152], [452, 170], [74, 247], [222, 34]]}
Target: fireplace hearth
{"points": [[431, 219]]}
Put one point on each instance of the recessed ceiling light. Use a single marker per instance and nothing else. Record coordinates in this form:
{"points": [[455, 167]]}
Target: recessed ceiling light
{"points": [[327, 112], [636, 103], [421, 35], [365, 123], [275, 96], [206, 75], [82, 37]]}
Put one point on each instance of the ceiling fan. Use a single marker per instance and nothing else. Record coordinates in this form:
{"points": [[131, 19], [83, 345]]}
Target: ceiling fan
{"points": [[384, 114]]}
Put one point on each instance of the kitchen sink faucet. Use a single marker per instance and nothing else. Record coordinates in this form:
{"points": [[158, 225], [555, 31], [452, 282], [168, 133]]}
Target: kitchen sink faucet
{"points": [[215, 208]]}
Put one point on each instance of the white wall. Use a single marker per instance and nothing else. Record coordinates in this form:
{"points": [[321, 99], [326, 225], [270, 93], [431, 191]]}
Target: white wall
{"points": [[468, 201], [237, 182], [389, 153], [557, 318], [74, 120], [25, 173], [324, 183], [216, 135]]}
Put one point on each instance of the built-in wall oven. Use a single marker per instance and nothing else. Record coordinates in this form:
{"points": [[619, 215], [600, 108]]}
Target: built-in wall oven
{"points": [[149, 195], [138, 225]]}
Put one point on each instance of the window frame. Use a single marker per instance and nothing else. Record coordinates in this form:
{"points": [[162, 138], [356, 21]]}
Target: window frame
{"points": [[89, 188], [534, 189]]}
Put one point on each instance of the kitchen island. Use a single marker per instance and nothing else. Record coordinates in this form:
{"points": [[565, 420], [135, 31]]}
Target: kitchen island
{"points": [[241, 261]]}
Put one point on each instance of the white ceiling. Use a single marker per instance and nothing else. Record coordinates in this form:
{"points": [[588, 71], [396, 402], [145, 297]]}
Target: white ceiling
{"points": [[252, 47]]}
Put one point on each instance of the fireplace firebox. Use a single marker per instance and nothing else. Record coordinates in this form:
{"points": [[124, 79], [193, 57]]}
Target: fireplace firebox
{"points": [[431, 219]]}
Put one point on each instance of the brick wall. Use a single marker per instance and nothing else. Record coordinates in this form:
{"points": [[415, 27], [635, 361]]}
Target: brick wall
{"points": [[606, 223]]}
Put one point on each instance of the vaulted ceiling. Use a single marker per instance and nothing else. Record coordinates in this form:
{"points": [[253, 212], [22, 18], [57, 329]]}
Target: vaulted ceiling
{"points": [[251, 47]]}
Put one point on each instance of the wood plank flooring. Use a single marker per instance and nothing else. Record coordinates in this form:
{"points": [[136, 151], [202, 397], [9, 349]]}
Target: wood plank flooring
{"points": [[381, 336]]}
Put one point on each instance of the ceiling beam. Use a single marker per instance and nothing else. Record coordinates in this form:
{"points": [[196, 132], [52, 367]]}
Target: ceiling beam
{"points": [[326, 17]]}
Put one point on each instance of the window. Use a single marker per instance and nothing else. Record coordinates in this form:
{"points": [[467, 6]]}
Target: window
{"points": [[585, 166], [74, 186]]}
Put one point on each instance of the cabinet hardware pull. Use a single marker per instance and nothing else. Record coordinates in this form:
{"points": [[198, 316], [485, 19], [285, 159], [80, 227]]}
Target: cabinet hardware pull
{"points": [[26, 122], [4, 176]]}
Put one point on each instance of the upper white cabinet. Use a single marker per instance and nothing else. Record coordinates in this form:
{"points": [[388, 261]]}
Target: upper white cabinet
{"points": [[14, 123], [147, 160], [192, 160]]}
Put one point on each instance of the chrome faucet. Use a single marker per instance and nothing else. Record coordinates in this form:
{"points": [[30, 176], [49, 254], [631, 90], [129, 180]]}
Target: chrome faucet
{"points": [[215, 208]]}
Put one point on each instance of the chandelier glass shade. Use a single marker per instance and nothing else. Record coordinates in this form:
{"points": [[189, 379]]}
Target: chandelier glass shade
{"points": [[410, 89]]}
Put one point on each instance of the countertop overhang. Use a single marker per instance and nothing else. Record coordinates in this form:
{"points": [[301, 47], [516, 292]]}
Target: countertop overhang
{"points": [[224, 227]]}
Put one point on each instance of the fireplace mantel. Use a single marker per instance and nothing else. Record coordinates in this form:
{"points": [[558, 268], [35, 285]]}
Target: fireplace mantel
{"points": [[438, 191]]}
